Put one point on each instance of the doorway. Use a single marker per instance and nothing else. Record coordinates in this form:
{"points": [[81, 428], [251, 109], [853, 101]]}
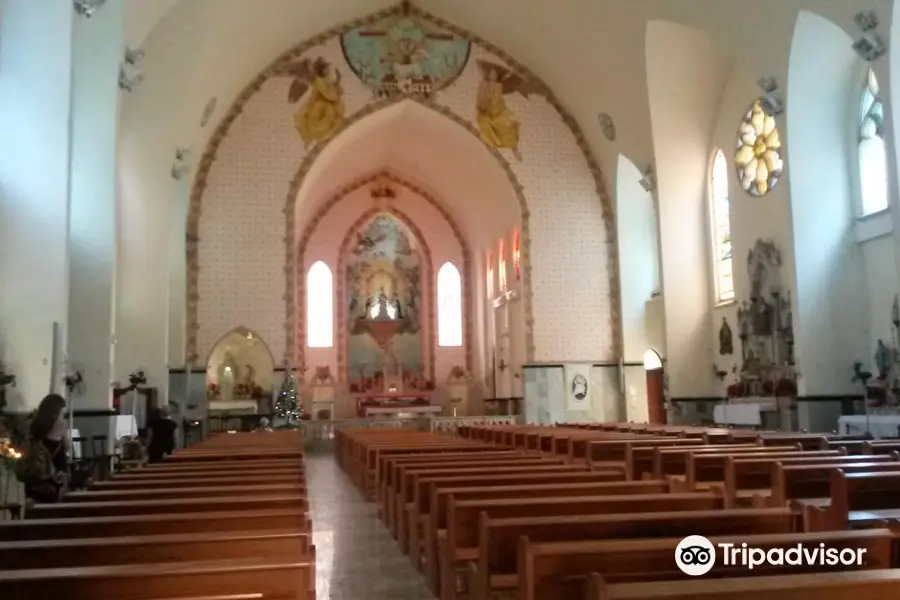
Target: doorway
{"points": [[656, 400]]}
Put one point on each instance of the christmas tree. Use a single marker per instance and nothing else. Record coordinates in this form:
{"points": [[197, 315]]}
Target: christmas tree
{"points": [[286, 403]]}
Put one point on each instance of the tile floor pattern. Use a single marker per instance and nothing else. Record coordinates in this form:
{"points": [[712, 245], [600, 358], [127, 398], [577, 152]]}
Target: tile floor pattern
{"points": [[356, 557]]}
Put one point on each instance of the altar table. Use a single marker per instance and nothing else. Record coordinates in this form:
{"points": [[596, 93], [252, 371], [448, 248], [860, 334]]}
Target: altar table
{"points": [[418, 410], [880, 426]]}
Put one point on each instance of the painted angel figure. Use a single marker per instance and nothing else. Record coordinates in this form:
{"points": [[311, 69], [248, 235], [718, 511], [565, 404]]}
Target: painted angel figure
{"points": [[498, 125], [323, 113]]}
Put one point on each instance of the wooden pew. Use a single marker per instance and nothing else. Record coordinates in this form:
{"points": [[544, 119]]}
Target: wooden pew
{"points": [[429, 507], [673, 461], [117, 483], [73, 510], [572, 490], [707, 469], [283, 579], [162, 493], [858, 585], [293, 518], [496, 567], [396, 523], [860, 498], [747, 479], [99, 551], [812, 483], [559, 569], [459, 543]]}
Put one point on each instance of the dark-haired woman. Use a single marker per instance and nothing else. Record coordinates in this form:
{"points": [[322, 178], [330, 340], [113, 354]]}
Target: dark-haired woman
{"points": [[50, 429]]}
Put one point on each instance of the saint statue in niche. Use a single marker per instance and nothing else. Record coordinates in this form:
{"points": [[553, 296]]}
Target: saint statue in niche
{"points": [[726, 342]]}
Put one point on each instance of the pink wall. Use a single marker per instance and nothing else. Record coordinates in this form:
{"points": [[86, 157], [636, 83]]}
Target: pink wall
{"points": [[438, 241]]}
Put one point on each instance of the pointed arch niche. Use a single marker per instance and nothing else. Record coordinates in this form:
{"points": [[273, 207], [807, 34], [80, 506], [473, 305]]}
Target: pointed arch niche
{"points": [[239, 368], [397, 245]]}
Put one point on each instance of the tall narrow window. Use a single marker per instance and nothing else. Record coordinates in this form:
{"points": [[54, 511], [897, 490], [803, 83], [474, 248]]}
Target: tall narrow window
{"points": [[449, 292], [319, 307], [517, 266], [872, 154], [720, 219], [501, 265]]}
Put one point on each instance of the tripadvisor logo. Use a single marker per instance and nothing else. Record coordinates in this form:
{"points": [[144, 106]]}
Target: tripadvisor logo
{"points": [[695, 555]]}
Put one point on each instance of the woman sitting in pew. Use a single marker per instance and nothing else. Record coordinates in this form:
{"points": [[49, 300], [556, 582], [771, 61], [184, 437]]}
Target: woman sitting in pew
{"points": [[43, 469], [161, 436]]}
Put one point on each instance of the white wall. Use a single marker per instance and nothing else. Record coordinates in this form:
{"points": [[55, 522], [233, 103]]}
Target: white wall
{"points": [[685, 74], [830, 304], [35, 79]]}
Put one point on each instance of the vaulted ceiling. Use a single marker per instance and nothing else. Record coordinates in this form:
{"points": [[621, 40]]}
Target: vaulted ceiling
{"points": [[590, 52]]}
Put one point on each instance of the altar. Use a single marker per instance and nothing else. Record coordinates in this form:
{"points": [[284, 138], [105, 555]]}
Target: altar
{"points": [[368, 405]]}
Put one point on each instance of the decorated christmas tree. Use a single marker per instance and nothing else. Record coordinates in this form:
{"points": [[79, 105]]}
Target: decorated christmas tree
{"points": [[286, 406]]}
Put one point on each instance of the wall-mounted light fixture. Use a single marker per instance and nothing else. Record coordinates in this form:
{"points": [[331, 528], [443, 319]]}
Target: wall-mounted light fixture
{"points": [[180, 167], [130, 75], [770, 101], [648, 179], [87, 8], [869, 45]]}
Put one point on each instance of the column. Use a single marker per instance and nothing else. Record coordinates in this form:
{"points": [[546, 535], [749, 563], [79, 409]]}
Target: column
{"points": [[97, 51], [35, 144]]}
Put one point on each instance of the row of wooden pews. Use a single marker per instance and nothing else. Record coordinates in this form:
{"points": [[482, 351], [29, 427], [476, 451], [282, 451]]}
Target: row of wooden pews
{"points": [[540, 513], [224, 520]]}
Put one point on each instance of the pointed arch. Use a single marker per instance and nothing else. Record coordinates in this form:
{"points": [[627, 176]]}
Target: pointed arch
{"points": [[871, 148], [320, 306], [276, 68], [449, 306], [720, 228]]}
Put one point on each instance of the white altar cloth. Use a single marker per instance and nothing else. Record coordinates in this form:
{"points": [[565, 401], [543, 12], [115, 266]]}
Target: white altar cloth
{"points": [[878, 425], [425, 409], [748, 415]]}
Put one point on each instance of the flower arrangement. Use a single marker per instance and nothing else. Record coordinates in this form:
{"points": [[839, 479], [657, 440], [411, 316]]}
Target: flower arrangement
{"points": [[212, 390], [8, 456]]}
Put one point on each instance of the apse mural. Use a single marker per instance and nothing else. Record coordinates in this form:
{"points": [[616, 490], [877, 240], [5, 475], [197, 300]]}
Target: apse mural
{"points": [[384, 304], [403, 54]]}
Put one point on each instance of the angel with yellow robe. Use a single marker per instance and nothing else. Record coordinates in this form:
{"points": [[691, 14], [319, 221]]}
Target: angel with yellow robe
{"points": [[323, 112], [498, 125]]}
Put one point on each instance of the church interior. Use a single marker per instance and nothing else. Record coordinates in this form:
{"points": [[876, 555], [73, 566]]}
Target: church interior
{"points": [[407, 276]]}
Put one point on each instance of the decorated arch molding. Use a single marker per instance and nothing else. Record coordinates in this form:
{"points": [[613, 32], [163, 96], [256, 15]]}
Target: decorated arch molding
{"points": [[277, 67], [315, 221]]}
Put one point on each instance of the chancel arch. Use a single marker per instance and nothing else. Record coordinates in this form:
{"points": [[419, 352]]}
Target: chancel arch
{"points": [[524, 145]]}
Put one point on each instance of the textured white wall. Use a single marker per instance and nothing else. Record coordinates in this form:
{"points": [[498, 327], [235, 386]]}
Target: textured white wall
{"points": [[682, 116], [35, 77]]}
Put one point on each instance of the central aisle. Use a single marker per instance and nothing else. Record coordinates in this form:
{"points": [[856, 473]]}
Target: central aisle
{"points": [[356, 557]]}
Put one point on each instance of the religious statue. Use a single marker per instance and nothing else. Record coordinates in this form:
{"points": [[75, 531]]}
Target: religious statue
{"points": [[498, 126], [395, 302], [884, 359], [726, 345], [249, 377], [323, 113]]}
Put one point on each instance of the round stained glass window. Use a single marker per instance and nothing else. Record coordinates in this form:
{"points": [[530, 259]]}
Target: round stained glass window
{"points": [[758, 156]]}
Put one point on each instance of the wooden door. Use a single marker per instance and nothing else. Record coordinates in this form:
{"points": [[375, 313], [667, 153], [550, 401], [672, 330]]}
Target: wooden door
{"points": [[656, 403]]}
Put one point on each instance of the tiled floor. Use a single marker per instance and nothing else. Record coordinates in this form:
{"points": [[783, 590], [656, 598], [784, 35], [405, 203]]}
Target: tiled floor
{"points": [[356, 557]]}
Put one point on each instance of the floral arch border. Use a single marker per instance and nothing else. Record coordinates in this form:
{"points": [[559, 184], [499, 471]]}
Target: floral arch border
{"points": [[323, 210], [237, 107]]}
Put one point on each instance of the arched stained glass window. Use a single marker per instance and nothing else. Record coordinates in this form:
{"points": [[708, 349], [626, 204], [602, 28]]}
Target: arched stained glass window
{"points": [[449, 293], [319, 306], [720, 231], [872, 152]]}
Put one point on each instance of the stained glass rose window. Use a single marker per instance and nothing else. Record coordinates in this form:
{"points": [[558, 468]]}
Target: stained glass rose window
{"points": [[758, 158]]}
